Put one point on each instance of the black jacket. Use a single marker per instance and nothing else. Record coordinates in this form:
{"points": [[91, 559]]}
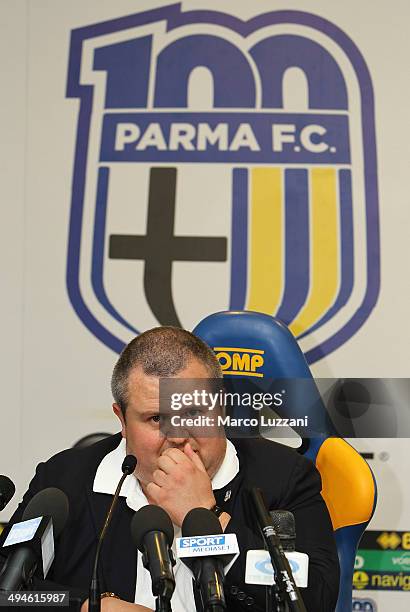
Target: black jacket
{"points": [[288, 480]]}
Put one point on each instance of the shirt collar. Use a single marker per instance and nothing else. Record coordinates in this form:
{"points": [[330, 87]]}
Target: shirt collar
{"points": [[109, 471]]}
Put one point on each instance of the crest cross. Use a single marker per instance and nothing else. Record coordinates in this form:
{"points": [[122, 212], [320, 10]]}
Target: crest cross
{"points": [[159, 248]]}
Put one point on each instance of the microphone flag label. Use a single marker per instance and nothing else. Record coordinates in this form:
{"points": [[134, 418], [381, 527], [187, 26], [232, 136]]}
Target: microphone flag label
{"points": [[38, 533], [259, 567], [47, 548], [24, 531], [207, 546]]}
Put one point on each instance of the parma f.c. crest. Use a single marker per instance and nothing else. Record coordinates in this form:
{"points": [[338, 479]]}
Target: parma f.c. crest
{"points": [[222, 164]]}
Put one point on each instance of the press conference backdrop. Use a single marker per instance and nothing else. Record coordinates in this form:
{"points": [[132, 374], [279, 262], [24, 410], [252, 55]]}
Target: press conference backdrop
{"points": [[164, 161]]}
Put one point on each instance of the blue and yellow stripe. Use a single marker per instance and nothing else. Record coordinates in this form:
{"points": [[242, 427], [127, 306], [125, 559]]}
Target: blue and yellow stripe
{"points": [[292, 243]]}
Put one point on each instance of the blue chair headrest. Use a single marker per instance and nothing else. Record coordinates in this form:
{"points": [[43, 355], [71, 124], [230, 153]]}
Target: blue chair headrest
{"points": [[244, 332]]}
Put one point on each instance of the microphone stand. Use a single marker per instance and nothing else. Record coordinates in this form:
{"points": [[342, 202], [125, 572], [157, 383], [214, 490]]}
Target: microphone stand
{"points": [[277, 600], [94, 599], [163, 599], [285, 595], [162, 604], [274, 600], [213, 599], [279, 593]]}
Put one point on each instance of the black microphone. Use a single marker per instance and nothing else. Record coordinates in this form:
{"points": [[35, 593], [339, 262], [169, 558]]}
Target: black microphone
{"points": [[153, 534], [94, 602], [30, 546], [128, 465], [208, 571], [283, 523], [7, 490], [285, 582]]}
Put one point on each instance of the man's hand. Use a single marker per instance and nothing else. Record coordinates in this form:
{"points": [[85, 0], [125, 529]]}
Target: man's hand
{"points": [[111, 604], [180, 483]]}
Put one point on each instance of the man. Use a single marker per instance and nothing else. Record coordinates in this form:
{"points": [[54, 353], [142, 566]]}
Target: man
{"points": [[178, 472]]}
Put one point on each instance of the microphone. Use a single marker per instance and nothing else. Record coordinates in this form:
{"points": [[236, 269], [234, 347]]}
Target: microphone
{"points": [[7, 490], [283, 523], [259, 568], [32, 539], [128, 465], [208, 570], [153, 534], [288, 591], [94, 601]]}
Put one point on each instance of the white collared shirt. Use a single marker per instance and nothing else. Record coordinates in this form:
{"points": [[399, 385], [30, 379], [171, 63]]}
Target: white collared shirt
{"points": [[106, 481]]}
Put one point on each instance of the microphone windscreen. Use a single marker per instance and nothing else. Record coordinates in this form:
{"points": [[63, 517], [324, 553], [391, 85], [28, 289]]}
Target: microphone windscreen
{"points": [[129, 464], [200, 522], [150, 518], [50, 501], [7, 490], [283, 522]]}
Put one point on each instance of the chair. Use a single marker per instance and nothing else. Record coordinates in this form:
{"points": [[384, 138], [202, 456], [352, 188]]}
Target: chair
{"points": [[341, 467]]}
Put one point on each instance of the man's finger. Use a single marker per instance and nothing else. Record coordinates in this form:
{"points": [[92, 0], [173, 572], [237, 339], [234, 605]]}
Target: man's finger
{"points": [[175, 454], [166, 464], [194, 457], [154, 491], [159, 477]]}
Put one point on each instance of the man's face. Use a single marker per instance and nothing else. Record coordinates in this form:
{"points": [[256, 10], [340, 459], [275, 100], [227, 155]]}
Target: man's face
{"points": [[141, 428]]}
